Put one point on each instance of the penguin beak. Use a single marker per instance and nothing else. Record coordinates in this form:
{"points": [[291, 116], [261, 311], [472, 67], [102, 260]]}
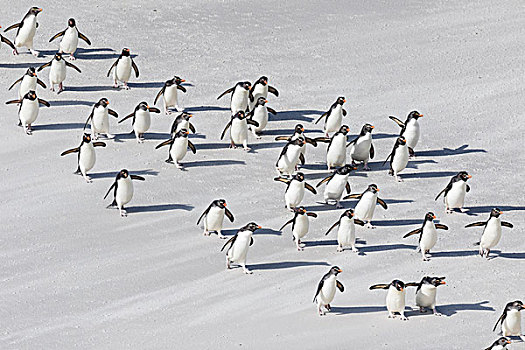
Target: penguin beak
{"points": [[39, 10], [420, 115], [259, 226], [0, 26], [377, 190], [509, 342], [344, 101], [500, 212], [187, 133], [355, 168], [469, 176], [265, 101], [190, 115], [183, 80], [302, 129], [433, 216], [401, 289], [225, 205], [147, 107], [442, 282]]}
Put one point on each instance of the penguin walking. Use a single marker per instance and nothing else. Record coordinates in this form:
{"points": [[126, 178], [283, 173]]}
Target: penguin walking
{"points": [[336, 151], [346, 231], [3, 39], [364, 209], [69, 43], [141, 119], [259, 113], [361, 148], [289, 157], [28, 82], [426, 293], [169, 94], [239, 245], [299, 132], [510, 320], [122, 190], [398, 158], [213, 217], [334, 116], [409, 130], [239, 130], [491, 231], [336, 184], [241, 93], [326, 290], [260, 89], [122, 69], [26, 31], [57, 74], [395, 297], [295, 187], [99, 118], [182, 121], [28, 110], [178, 147], [499, 344], [427, 234], [454, 193], [300, 225], [86, 155]]}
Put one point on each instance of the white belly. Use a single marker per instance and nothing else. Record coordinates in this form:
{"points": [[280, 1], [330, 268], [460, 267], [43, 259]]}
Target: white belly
{"points": [[400, 161], [302, 224], [327, 293], [100, 121], [142, 121], [239, 131], [28, 83], [335, 187], [122, 71], [428, 237], [412, 133], [295, 194], [512, 324], [239, 100], [214, 219], [27, 33], [491, 234], [239, 250], [69, 42], [346, 232], [124, 191], [170, 96], [360, 151], [364, 210], [28, 111], [87, 157], [289, 160], [57, 73], [260, 115], [395, 300], [336, 155], [179, 148], [334, 121], [426, 296], [456, 196]]}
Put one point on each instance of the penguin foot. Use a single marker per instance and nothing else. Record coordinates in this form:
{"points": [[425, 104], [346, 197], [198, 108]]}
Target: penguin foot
{"points": [[126, 87], [391, 315], [247, 149], [321, 312], [422, 310], [338, 205], [398, 178], [328, 307], [60, 88], [246, 271], [367, 168], [355, 250], [88, 179], [221, 236], [123, 213], [437, 314], [232, 145], [463, 210], [449, 211], [71, 57], [179, 166], [340, 249], [15, 52], [115, 86], [370, 226], [206, 233], [34, 52], [403, 318]]}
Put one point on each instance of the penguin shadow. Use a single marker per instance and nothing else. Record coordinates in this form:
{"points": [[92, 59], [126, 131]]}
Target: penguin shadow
{"points": [[158, 207], [147, 136], [322, 175], [485, 209], [218, 162], [112, 174], [95, 54], [455, 253], [449, 152], [452, 309], [397, 222], [59, 126], [91, 88], [226, 145], [428, 174], [197, 136], [286, 132], [286, 265], [299, 115], [384, 247], [20, 65], [331, 242], [264, 145], [205, 109], [321, 206], [412, 164], [61, 103], [382, 135], [344, 310], [146, 85], [260, 232]]}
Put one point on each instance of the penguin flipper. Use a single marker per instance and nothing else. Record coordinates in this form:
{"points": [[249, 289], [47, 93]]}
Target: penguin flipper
{"points": [[204, 214], [271, 110], [326, 179], [13, 101], [441, 226], [301, 158], [331, 228], [507, 224], [413, 232], [322, 139], [273, 91], [114, 185], [160, 93], [314, 215], [325, 114], [48, 64], [226, 128], [412, 284], [230, 90], [69, 151], [126, 117], [354, 196], [445, 191], [353, 142], [468, 188], [230, 241], [347, 187], [344, 112], [8, 42], [112, 66], [73, 66], [85, 38], [88, 119], [137, 177], [382, 203], [111, 113], [287, 223], [99, 144], [181, 88], [229, 214], [192, 128], [500, 319], [397, 121], [359, 222], [57, 35], [479, 223], [135, 68], [340, 286], [252, 122], [192, 147], [390, 157], [44, 102], [251, 241], [41, 83], [311, 141], [16, 25], [282, 179], [16, 82], [311, 189], [319, 287], [154, 110], [372, 151], [282, 138], [379, 286]]}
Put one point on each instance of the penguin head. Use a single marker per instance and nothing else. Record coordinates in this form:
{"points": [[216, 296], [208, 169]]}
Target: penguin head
{"points": [[335, 270], [261, 101], [298, 141], [367, 128], [182, 133], [35, 10], [263, 80], [299, 129], [221, 203], [373, 188], [142, 106], [125, 52], [503, 342], [340, 100], [299, 176], [495, 213], [31, 72], [86, 138], [300, 210], [177, 80], [433, 281], [71, 22], [185, 116], [349, 213], [430, 216], [463, 175], [252, 226], [345, 169], [401, 141], [246, 85], [31, 95], [414, 115], [58, 56], [344, 129], [124, 173], [515, 305], [239, 115], [399, 285]]}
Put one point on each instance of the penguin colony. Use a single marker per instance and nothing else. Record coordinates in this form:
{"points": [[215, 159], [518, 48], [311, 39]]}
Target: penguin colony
{"points": [[250, 113]]}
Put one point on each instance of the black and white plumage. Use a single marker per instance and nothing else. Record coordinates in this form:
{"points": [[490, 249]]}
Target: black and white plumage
{"points": [[491, 231], [122, 69], [86, 155], [261, 88], [69, 42], [361, 148], [29, 106], [409, 129], [346, 231], [336, 151], [454, 193], [241, 95], [28, 82], [238, 126], [169, 94], [364, 209], [295, 188], [289, 157], [179, 145], [426, 293], [99, 118], [213, 217], [499, 344], [182, 121], [326, 289], [510, 320], [239, 245], [427, 234], [300, 225], [336, 184], [141, 119], [398, 158], [26, 30], [122, 190], [58, 71], [3, 39], [395, 297], [334, 116], [299, 133], [259, 113]]}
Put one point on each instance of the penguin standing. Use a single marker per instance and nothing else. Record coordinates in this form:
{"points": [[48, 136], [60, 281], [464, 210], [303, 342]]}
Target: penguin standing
{"points": [[295, 186], [454, 193], [178, 147], [28, 82], [336, 184], [336, 151], [28, 110], [99, 118], [334, 116], [346, 231], [57, 74], [241, 93], [491, 231], [86, 155], [141, 119], [26, 31], [3, 39], [426, 293], [510, 320], [326, 290], [169, 94], [239, 130], [395, 298], [300, 225], [289, 157], [398, 158], [182, 121], [259, 113], [260, 89], [361, 148], [499, 344], [409, 129], [299, 132], [427, 234], [69, 43], [122, 69], [122, 190], [239, 245], [364, 209], [213, 217]]}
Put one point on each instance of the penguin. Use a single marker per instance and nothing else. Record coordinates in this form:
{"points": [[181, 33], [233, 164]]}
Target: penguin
{"points": [[346, 231], [99, 118], [454, 193], [364, 209], [239, 130], [336, 184], [122, 190], [491, 231], [334, 116], [326, 290], [361, 148], [241, 93], [213, 217], [260, 89], [239, 245], [499, 344], [28, 82], [336, 151], [409, 130], [300, 225], [182, 121], [70, 38], [299, 132], [259, 113], [26, 31], [295, 186], [86, 155], [57, 74], [28, 110], [395, 298], [3, 39], [427, 234], [169, 94], [289, 157], [510, 320], [141, 119], [398, 158], [178, 147], [122, 71], [426, 293]]}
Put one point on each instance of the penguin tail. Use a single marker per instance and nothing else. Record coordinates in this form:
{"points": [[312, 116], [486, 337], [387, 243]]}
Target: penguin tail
{"points": [[477, 243], [391, 172], [78, 172]]}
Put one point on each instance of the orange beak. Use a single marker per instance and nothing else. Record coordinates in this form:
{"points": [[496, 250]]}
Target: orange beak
{"points": [[500, 212], [378, 190], [302, 129], [442, 282], [183, 80], [225, 205], [469, 176], [265, 101], [420, 115], [340, 270], [402, 289], [372, 127], [259, 226], [433, 216], [344, 100], [147, 106], [190, 115], [39, 10], [0, 26], [187, 132]]}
